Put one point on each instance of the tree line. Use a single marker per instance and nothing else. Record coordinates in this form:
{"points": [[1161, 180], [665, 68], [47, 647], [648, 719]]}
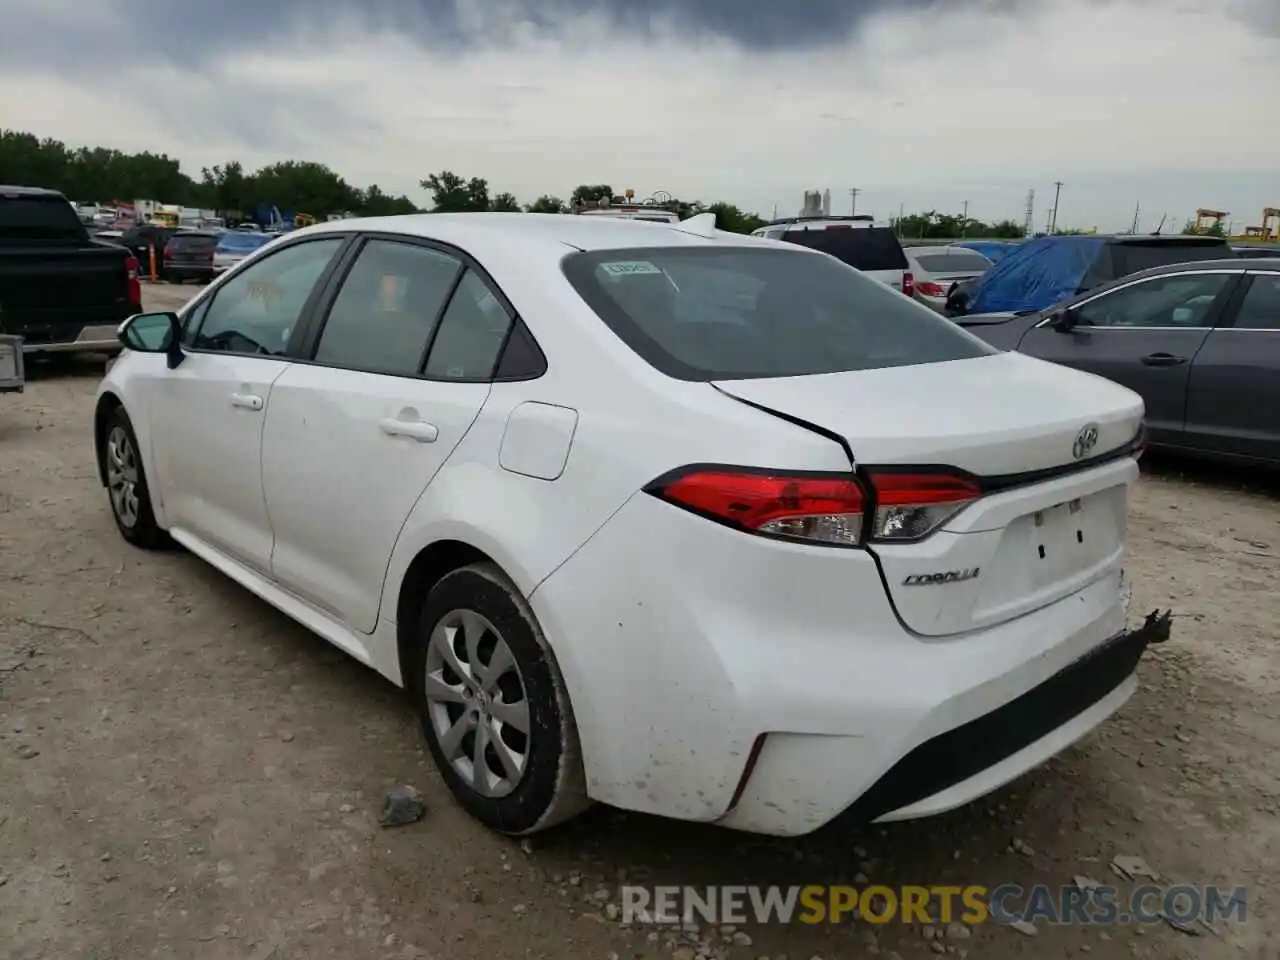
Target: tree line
{"points": [[102, 174]]}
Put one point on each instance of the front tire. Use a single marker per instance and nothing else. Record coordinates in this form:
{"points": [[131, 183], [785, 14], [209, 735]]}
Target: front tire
{"points": [[127, 485], [493, 705]]}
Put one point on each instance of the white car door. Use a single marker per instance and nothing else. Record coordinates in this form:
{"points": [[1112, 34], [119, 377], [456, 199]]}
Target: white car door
{"points": [[208, 418], [401, 364]]}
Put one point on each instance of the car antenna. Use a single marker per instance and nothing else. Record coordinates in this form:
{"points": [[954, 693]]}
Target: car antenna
{"points": [[1160, 226]]}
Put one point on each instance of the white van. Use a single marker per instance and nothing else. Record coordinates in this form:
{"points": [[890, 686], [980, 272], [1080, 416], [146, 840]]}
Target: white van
{"points": [[858, 241]]}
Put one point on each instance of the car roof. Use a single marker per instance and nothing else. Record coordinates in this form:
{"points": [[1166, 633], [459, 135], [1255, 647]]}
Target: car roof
{"points": [[942, 251], [824, 218], [15, 191], [476, 231], [1236, 263]]}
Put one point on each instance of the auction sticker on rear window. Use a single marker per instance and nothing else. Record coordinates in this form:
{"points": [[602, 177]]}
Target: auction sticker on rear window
{"points": [[627, 268]]}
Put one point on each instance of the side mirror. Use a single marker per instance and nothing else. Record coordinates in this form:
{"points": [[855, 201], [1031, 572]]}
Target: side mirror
{"points": [[153, 333], [1065, 321]]}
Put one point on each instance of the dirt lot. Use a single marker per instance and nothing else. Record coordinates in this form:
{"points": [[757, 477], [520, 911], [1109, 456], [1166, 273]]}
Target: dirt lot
{"points": [[186, 773]]}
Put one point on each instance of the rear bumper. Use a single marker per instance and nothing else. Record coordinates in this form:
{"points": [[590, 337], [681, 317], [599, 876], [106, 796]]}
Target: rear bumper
{"points": [[769, 687], [189, 271], [971, 760], [96, 338]]}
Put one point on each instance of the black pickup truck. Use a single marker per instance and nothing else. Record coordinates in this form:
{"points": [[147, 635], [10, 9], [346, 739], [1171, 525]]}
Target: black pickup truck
{"points": [[60, 291]]}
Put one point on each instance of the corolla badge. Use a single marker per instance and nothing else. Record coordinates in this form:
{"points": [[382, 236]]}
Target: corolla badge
{"points": [[1086, 440]]}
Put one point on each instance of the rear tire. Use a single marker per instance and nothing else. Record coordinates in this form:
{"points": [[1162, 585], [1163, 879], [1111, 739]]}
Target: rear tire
{"points": [[482, 670], [127, 488]]}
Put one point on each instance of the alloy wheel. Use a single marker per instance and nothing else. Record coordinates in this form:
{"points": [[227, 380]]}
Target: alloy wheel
{"points": [[122, 476], [477, 703]]}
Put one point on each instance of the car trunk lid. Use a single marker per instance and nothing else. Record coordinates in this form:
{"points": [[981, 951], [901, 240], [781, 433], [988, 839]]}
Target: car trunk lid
{"points": [[1044, 445]]}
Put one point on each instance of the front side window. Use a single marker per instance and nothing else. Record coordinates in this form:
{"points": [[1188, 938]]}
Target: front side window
{"points": [[1180, 300], [384, 315], [1260, 309], [725, 313], [255, 310]]}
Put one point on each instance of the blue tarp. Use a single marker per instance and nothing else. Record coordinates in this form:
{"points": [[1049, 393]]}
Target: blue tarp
{"points": [[1036, 275], [993, 250]]}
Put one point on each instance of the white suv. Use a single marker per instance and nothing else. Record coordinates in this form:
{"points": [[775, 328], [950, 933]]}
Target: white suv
{"points": [[682, 521], [858, 241]]}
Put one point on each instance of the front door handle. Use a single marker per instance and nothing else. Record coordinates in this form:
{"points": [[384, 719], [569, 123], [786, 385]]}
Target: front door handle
{"points": [[250, 401], [1162, 360], [418, 430]]}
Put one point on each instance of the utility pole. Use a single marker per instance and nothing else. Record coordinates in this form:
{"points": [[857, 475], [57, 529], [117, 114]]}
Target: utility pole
{"points": [[964, 220], [1053, 220], [901, 206], [853, 201]]}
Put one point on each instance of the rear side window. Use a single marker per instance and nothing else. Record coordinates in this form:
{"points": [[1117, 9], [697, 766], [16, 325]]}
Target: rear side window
{"points": [[241, 242], [1136, 256], [472, 332], [1261, 307], [39, 218], [866, 248], [191, 242], [729, 313], [953, 262]]}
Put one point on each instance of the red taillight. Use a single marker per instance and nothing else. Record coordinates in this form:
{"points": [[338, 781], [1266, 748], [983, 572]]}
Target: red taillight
{"points": [[132, 269], [930, 289], [908, 283], [819, 508], [168, 251], [910, 506]]}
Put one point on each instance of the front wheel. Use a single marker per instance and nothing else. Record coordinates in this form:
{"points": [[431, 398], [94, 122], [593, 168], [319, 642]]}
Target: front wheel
{"points": [[493, 705], [127, 485]]}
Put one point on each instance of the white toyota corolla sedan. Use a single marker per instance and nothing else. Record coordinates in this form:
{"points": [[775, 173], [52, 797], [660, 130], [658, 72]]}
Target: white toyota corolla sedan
{"points": [[686, 522]]}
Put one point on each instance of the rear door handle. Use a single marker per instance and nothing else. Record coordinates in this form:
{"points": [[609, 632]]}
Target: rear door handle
{"points": [[250, 401], [1162, 360], [418, 430]]}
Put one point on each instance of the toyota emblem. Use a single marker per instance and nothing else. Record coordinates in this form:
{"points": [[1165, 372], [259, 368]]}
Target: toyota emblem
{"points": [[1086, 440]]}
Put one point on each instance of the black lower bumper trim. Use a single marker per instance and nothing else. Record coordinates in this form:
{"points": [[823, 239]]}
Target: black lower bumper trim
{"points": [[958, 754]]}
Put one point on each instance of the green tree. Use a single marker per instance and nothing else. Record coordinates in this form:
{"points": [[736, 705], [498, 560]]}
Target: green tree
{"points": [[225, 187], [452, 194], [505, 203], [585, 192], [102, 175], [733, 219], [547, 204], [947, 226]]}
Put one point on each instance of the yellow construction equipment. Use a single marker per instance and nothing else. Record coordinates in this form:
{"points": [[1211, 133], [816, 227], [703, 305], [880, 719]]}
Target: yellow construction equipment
{"points": [[303, 220], [1214, 218]]}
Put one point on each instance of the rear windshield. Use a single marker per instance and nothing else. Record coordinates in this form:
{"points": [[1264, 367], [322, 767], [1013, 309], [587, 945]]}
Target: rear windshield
{"points": [[194, 241], [1132, 257], [867, 248], [39, 218], [241, 242], [732, 313], [953, 262]]}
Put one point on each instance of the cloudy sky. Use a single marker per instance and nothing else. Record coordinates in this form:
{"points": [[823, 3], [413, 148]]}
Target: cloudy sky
{"points": [[925, 103]]}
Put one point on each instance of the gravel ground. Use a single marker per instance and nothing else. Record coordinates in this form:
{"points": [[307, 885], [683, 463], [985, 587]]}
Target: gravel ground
{"points": [[186, 773]]}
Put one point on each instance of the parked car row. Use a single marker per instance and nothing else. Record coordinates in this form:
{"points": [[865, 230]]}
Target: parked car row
{"points": [[185, 254]]}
